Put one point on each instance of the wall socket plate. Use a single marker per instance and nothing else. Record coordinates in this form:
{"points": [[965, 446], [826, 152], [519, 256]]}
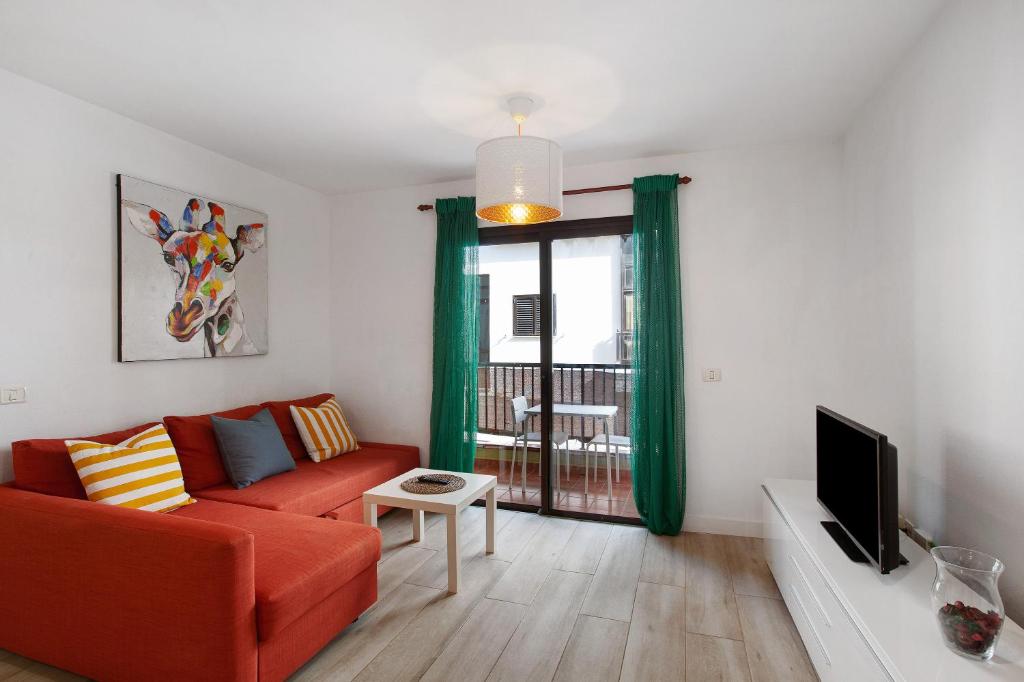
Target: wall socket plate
{"points": [[12, 394], [712, 374]]}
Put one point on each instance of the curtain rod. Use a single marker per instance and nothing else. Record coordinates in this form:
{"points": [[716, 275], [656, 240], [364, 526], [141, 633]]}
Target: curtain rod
{"points": [[684, 180]]}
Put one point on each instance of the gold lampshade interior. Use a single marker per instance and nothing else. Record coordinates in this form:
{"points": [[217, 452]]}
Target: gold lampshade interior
{"points": [[519, 214]]}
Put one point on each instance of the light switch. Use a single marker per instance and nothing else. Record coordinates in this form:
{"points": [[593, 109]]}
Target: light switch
{"points": [[713, 374], [12, 394]]}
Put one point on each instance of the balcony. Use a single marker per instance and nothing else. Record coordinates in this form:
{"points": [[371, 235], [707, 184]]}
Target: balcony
{"points": [[573, 384]]}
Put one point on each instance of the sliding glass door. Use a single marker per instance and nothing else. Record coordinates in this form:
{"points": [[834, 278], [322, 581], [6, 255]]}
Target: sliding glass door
{"points": [[591, 291], [509, 376], [554, 379]]}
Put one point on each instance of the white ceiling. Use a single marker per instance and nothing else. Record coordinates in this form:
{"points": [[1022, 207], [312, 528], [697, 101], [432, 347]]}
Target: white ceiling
{"points": [[348, 96]]}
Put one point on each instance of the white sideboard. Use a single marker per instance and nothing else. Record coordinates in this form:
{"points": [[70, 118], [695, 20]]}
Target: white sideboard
{"points": [[856, 623]]}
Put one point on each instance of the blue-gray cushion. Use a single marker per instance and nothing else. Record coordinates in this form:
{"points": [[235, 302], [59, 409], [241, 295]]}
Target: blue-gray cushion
{"points": [[251, 449]]}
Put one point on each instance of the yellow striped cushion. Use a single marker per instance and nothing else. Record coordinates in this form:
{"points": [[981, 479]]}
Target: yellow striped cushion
{"points": [[142, 472], [324, 430]]}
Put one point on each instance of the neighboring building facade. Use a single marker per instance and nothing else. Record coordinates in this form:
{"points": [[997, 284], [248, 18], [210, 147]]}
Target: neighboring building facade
{"points": [[592, 282]]}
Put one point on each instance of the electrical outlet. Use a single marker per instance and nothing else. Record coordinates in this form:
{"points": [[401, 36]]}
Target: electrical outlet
{"points": [[12, 394], [712, 374]]}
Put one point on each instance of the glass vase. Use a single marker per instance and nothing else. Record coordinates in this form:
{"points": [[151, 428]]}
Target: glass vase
{"points": [[966, 602]]}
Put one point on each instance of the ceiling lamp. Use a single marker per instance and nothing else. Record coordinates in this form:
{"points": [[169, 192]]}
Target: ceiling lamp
{"points": [[519, 178]]}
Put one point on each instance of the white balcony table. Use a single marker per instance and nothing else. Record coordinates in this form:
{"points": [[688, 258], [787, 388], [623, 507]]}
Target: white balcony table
{"points": [[449, 504], [604, 412]]}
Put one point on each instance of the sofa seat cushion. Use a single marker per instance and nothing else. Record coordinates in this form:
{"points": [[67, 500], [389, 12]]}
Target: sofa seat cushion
{"points": [[299, 561], [314, 489]]}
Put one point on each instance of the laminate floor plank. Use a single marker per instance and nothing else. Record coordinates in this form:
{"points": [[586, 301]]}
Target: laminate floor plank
{"points": [[715, 659], [665, 560], [435, 536], [396, 530], [472, 541], [515, 535], [359, 643], [656, 647], [528, 572], [40, 672], [399, 566], [774, 649], [413, 651], [472, 653], [583, 552], [11, 664], [594, 652], [611, 594], [15, 667], [748, 568], [710, 601], [533, 653]]}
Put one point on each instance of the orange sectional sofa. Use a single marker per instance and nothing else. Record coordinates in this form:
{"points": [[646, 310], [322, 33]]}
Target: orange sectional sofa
{"points": [[244, 585]]}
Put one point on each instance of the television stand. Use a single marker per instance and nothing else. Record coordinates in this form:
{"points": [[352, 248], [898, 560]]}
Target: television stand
{"points": [[857, 624]]}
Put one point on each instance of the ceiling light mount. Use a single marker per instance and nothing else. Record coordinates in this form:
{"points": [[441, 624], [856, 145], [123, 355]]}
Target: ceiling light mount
{"points": [[520, 107]]}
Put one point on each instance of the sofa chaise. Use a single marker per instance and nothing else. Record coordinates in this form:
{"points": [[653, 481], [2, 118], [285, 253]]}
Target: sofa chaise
{"points": [[246, 584]]}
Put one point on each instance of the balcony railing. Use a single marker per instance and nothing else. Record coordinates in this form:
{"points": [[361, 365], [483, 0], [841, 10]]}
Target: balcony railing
{"points": [[579, 384]]}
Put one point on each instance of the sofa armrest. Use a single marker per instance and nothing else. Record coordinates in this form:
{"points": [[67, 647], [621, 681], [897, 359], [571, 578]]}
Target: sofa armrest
{"points": [[120, 594]]}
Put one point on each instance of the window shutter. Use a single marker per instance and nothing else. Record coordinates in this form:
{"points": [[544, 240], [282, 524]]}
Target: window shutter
{"points": [[526, 315], [484, 349]]}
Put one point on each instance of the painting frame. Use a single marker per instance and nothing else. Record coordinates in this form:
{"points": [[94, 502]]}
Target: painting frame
{"points": [[179, 293]]}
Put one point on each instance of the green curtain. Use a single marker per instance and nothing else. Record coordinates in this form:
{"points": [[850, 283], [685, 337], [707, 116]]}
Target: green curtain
{"points": [[456, 330], [659, 445]]}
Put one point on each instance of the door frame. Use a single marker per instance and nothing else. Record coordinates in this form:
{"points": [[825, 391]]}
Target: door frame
{"points": [[543, 234]]}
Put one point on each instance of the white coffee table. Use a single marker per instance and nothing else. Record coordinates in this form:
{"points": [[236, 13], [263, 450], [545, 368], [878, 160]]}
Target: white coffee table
{"points": [[449, 504]]}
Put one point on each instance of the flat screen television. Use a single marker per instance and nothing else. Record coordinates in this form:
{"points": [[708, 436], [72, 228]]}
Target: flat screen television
{"points": [[857, 486]]}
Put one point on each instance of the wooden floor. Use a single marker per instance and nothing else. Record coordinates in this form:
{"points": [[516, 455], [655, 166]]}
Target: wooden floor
{"points": [[559, 600]]}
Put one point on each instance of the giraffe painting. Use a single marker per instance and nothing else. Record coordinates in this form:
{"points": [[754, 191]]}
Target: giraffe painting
{"points": [[193, 286]]}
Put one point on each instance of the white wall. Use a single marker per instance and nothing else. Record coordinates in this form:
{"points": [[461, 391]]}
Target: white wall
{"points": [[934, 183], [586, 279], [759, 229], [58, 261], [512, 269]]}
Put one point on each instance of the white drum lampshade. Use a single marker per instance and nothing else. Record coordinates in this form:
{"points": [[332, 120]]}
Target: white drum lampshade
{"points": [[519, 180]]}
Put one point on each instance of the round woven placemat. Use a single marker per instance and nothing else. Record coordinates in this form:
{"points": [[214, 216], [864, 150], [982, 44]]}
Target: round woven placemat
{"points": [[413, 485]]}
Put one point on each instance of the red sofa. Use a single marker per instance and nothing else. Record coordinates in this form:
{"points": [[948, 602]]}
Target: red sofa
{"points": [[244, 585]]}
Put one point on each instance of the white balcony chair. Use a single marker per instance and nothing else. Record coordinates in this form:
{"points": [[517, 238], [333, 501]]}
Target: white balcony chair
{"points": [[598, 444], [559, 439]]}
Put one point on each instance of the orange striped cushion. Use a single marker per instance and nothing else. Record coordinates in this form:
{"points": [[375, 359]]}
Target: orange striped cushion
{"points": [[141, 472], [324, 430]]}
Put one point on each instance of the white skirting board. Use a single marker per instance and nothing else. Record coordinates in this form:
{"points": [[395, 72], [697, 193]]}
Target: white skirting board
{"points": [[722, 526]]}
